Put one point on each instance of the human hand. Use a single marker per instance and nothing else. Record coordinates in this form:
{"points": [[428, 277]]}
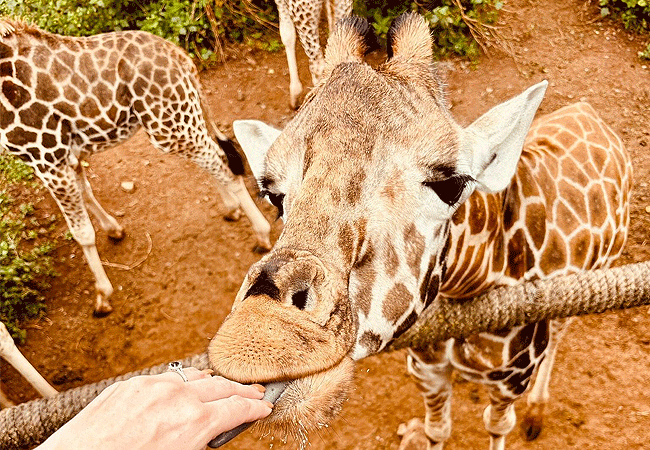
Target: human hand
{"points": [[161, 412]]}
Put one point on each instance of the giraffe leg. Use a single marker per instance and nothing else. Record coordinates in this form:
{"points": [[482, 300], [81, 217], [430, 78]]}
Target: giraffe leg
{"points": [[432, 373], [329, 10], [288, 37], [532, 422], [10, 352], [499, 417], [66, 186], [106, 221], [259, 223], [306, 18], [231, 203], [341, 8]]}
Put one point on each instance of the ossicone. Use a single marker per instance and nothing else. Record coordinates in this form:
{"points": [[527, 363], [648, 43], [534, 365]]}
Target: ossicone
{"points": [[409, 39], [350, 40]]}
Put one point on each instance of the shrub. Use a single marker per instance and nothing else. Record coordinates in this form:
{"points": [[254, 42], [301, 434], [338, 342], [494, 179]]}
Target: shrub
{"points": [[25, 261], [635, 15], [196, 25], [458, 27]]}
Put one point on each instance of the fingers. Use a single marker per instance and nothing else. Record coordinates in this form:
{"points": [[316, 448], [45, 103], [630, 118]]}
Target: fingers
{"points": [[215, 388], [228, 413]]}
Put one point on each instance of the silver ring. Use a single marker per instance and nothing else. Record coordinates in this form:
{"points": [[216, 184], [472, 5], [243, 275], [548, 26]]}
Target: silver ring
{"points": [[177, 366]]}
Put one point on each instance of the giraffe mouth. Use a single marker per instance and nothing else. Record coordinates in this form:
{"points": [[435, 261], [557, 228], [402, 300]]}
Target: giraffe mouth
{"points": [[302, 404]]}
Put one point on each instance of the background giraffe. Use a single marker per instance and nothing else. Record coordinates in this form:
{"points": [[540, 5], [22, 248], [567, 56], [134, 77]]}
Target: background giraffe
{"points": [[304, 16], [375, 180], [65, 98]]}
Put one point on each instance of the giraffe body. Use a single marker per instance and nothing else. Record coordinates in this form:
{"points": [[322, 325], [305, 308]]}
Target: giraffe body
{"points": [[64, 99], [303, 17], [389, 203]]}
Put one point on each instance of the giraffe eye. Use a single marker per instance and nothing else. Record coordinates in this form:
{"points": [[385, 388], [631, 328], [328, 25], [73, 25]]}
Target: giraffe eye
{"points": [[450, 189], [276, 200]]}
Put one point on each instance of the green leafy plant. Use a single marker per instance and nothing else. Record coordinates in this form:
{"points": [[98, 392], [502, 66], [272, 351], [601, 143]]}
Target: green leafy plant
{"points": [[25, 257], [199, 26], [635, 15], [459, 27]]}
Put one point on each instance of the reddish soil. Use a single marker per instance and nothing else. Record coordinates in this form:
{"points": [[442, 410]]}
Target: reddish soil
{"points": [[170, 305]]}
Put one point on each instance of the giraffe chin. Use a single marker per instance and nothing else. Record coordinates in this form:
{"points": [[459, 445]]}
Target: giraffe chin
{"points": [[310, 402], [302, 405]]}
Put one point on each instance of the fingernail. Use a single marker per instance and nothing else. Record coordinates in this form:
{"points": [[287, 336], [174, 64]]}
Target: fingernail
{"points": [[207, 371], [259, 387], [270, 405]]}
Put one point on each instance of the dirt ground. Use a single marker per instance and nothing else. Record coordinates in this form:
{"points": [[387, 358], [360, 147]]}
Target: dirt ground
{"points": [[171, 304]]}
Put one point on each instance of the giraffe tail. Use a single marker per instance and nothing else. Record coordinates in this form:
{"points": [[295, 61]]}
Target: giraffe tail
{"points": [[234, 157]]}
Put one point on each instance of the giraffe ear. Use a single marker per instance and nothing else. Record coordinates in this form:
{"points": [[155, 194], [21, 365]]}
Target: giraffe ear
{"points": [[492, 144], [255, 138]]}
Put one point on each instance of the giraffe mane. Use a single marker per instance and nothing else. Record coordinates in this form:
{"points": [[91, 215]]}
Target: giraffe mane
{"points": [[11, 25]]}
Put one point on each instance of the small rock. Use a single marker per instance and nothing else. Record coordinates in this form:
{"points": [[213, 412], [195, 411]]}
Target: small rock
{"points": [[127, 186], [240, 95], [119, 213], [647, 209], [271, 71]]}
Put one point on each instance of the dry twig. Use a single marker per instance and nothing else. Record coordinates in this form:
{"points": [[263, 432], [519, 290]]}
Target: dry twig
{"points": [[135, 264]]}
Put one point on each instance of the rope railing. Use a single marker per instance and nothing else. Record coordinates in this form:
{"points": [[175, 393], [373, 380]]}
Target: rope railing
{"points": [[591, 292]]}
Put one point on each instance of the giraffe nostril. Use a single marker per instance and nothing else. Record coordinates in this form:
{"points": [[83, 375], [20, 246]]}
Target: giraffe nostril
{"points": [[299, 299]]}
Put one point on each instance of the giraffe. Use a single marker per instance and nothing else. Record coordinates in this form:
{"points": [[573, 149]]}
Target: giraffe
{"points": [[64, 99], [304, 16], [388, 204]]}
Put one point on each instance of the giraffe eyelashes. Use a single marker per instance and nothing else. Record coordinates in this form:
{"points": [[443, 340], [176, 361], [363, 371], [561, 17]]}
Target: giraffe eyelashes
{"points": [[451, 189], [276, 200]]}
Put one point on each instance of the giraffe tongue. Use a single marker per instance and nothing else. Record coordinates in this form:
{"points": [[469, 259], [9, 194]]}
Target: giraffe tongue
{"points": [[273, 392]]}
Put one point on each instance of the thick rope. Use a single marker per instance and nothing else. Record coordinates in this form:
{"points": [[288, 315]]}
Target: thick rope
{"points": [[29, 424], [591, 292]]}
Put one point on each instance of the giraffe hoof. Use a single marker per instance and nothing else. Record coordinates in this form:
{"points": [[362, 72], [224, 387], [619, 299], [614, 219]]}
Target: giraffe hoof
{"points": [[260, 249], [531, 427], [116, 235], [232, 216], [412, 434], [102, 311]]}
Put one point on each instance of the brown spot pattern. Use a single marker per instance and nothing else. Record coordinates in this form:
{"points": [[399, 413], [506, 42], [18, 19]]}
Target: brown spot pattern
{"points": [[15, 94], [414, 244], [597, 205], [396, 302], [476, 220], [371, 341], [89, 108], [34, 115], [24, 72], [46, 90], [554, 256]]}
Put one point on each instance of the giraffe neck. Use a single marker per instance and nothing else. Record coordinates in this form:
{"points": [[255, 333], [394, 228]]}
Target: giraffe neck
{"points": [[561, 213]]}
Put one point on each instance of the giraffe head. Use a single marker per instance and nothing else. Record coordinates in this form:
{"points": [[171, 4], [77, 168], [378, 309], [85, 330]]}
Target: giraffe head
{"points": [[366, 177]]}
